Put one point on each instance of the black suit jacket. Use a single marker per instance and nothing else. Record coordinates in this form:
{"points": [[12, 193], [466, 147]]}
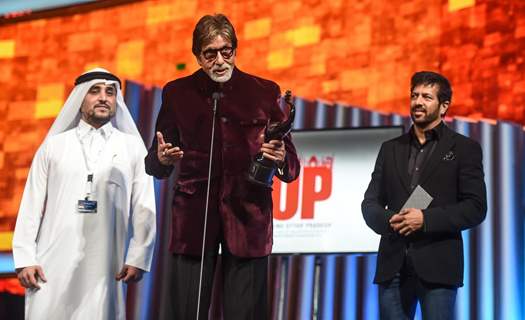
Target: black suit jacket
{"points": [[453, 176]]}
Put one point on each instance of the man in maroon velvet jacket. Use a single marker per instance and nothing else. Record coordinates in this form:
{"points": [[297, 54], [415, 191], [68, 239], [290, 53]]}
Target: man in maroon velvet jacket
{"points": [[240, 212]]}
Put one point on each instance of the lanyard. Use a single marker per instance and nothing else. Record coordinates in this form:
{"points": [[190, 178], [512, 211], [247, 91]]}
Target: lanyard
{"points": [[89, 183], [89, 186]]}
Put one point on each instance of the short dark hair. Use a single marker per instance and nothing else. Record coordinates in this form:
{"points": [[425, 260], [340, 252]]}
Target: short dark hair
{"points": [[208, 28], [431, 78]]}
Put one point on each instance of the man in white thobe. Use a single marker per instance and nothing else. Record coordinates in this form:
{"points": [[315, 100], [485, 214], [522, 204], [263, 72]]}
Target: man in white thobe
{"points": [[86, 222]]}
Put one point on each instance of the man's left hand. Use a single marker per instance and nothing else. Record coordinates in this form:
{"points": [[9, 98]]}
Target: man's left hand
{"points": [[275, 151], [129, 274], [407, 221]]}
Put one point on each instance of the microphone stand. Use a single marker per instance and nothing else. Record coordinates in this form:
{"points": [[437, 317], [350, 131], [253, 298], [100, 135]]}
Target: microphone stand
{"points": [[215, 96]]}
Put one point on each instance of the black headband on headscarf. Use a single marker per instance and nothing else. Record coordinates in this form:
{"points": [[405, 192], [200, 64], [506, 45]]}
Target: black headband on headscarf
{"points": [[97, 75]]}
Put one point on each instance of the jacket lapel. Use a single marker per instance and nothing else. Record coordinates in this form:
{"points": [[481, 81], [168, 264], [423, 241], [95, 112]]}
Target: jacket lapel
{"points": [[401, 151], [444, 145]]}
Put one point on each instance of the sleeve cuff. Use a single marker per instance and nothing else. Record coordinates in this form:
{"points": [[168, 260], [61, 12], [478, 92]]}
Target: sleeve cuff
{"points": [[140, 259], [424, 226], [22, 258]]}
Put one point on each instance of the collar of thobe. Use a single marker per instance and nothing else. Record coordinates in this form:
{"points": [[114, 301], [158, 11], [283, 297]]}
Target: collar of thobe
{"points": [[92, 141], [85, 130]]}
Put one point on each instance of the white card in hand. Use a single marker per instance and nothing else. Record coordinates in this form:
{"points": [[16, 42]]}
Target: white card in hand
{"points": [[419, 199]]}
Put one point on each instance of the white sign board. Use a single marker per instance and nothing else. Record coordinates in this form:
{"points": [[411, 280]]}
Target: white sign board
{"points": [[320, 212]]}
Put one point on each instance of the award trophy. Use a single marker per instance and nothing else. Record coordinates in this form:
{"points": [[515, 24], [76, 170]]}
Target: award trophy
{"points": [[262, 169]]}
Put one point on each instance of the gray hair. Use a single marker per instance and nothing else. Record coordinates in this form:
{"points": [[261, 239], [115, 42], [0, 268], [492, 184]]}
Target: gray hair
{"points": [[210, 27]]}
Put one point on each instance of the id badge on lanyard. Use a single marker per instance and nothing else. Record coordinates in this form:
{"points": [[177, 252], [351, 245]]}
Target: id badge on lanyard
{"points": [[86, 205]]}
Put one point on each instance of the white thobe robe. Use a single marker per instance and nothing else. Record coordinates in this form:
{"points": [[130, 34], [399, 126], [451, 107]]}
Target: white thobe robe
{"points": [[81, 253]]}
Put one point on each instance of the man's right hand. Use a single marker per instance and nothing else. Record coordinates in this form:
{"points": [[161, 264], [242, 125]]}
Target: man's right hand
{"points": [[407, 221], [167, 154], [29, 276]]}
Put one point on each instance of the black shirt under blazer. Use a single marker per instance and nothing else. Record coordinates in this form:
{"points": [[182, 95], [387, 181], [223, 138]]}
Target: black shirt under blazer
{"points": [[453, 176]]}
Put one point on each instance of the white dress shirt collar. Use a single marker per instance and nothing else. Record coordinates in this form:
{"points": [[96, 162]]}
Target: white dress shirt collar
{"points": [[85, 128]]}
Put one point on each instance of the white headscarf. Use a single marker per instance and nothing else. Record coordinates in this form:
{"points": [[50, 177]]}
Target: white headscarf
{"points": [[69, 115]]}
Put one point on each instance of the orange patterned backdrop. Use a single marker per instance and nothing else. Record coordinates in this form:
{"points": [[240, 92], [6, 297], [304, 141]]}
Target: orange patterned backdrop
{"points": [[359, 52]]}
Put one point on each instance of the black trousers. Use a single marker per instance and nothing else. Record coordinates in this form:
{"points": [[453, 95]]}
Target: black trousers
{"points": [[244, 289]]}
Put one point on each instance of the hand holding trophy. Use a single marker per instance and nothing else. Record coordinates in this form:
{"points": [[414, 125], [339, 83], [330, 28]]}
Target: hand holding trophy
{"points": [[262, 169]]}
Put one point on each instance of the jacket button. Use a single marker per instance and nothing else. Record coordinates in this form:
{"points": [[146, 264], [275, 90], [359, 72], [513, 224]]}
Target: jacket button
{"points": [[224, 119]]}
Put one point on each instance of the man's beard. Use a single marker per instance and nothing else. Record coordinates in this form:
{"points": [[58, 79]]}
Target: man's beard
{"points": [[427, 119], [99, 119], [222, 78]]}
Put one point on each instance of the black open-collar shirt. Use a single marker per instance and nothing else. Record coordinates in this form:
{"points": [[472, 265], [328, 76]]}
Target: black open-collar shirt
{"points": [[420, 153]]}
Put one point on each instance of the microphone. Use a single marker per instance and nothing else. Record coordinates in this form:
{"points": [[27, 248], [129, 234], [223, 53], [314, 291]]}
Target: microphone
{"points": [[216, 96]]}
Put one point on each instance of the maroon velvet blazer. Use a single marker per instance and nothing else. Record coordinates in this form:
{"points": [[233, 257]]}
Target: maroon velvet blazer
{"points": [[240, 213]]}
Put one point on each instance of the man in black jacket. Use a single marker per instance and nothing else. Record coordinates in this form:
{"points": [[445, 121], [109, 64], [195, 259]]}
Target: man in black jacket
{"points": [[421, 250]]}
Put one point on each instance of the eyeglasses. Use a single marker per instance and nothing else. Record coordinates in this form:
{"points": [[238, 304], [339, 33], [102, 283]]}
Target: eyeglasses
{"points": [[211, 54]]}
